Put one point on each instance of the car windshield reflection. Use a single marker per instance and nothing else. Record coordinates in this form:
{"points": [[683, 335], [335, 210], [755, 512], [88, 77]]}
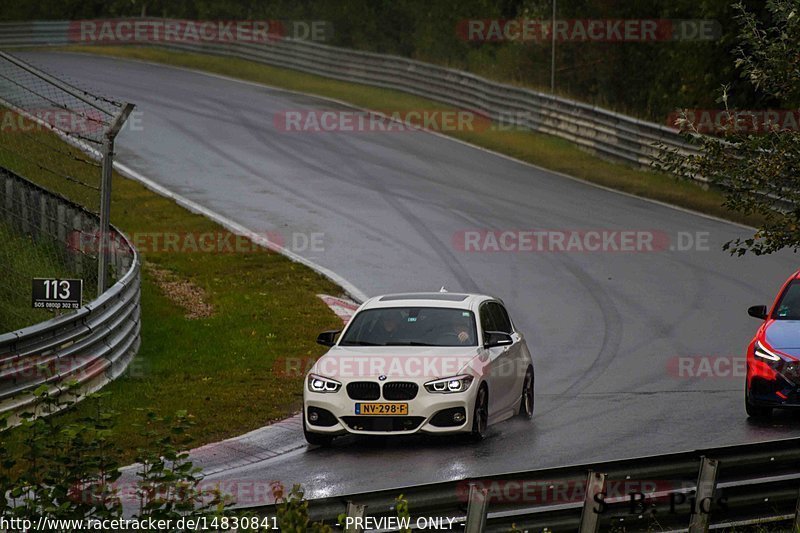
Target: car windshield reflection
{"points": [[412, 326]]}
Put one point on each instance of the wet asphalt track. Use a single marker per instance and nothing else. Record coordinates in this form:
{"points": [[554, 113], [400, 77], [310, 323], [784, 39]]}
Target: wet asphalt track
{"points": [[603, 326]]}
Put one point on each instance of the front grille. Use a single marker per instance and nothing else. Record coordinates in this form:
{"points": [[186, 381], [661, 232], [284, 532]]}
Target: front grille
{"points": [[792, 372], [400, 390], [383, 423], [363, 390]]}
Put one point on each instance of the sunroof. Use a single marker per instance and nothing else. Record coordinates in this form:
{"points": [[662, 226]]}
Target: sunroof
{"points": [[442, 296]]}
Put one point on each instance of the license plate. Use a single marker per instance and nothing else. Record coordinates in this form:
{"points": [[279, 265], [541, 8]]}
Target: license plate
{"points": [[382, 409]]}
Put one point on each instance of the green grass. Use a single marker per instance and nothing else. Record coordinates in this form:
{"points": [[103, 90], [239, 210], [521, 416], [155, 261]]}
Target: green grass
{"points": [[544, 150], [218, 368], [23, 258]]}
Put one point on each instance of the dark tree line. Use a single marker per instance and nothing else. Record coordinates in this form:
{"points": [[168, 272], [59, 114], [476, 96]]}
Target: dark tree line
{"points": [[649, 80]]}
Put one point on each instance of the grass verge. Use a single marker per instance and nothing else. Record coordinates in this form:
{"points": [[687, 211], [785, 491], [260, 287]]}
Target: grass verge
{"points": [[256, 309], [23, 259], [544, 150]]}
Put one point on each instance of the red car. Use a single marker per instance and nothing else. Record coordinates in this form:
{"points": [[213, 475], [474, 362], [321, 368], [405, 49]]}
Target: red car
{"points": [[773, 356]]}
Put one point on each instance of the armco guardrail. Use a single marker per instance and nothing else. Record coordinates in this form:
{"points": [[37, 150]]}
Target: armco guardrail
{"points": [[91, 345], [601, 131], [731, 485]]}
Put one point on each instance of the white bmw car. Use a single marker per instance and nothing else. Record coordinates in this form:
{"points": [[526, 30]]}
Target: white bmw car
{"points": [[436, 363]]}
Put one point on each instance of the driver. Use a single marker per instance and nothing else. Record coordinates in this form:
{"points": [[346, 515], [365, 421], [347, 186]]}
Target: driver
{"points": [[461, 328]]}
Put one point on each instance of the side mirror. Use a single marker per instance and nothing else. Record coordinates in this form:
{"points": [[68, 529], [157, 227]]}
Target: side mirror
{"points": [[758, 311], [497, 338], [328, 338]]}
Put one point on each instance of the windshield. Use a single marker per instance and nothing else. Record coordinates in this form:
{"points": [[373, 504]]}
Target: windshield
{"points": [[789, 306], [411, 326]]}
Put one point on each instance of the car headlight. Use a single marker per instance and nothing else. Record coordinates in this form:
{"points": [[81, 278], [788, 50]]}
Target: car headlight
{"points": [[449, 385], [765, 353], [320, 384]]}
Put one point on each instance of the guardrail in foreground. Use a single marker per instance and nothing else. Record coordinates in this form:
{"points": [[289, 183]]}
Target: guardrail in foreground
{"points": [[598, 130], [732, 485], [91, 345]]}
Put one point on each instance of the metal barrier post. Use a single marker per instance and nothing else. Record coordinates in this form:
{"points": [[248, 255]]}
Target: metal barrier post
{"points": [[590, 520], [105, 214], [796, 525], [704, 496], [357, 512], [476, 509], [105, 196]]}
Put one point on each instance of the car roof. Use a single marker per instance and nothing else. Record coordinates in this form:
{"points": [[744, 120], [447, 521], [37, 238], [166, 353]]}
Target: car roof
{"points": [[456, 300]]}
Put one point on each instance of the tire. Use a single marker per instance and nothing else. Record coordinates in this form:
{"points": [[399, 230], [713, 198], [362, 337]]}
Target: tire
{"points": [[317, 439], [526, 403], [480, 415], [755, 411]]}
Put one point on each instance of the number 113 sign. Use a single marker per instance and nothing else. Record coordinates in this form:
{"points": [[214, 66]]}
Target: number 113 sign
{"points": [[51, 293]]}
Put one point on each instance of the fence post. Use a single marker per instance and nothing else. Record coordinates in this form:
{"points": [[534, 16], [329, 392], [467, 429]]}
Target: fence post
{"points": [[590, 520], [796, 525], [477, 508], [704, 496], [357, 512], [105, 196], [105, 213]]}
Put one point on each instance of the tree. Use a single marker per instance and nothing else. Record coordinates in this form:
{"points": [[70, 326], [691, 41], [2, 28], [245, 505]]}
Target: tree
{"points": [[65, 467], [755, 156]]}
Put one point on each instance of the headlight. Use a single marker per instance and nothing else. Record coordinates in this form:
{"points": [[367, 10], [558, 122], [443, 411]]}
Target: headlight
{"points": [[765, 353], [320, 384], [449, 385]]}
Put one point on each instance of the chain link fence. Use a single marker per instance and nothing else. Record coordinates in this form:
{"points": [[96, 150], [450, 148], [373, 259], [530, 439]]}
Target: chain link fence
{"points": [[59, 137]]}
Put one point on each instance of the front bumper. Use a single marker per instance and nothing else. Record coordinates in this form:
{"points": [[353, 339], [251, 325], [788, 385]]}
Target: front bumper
{"points": [[779, 393], [421, 418]]}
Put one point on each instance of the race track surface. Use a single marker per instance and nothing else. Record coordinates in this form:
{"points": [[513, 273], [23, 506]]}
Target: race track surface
{"points": [[606, 328]]}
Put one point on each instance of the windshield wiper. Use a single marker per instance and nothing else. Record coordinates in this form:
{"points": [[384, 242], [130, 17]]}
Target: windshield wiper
{"points": [[360, 343], [409, 343]]}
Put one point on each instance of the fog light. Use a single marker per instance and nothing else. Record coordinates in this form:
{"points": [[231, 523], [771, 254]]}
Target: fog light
{"points": [[313, 416], [458, 417]]}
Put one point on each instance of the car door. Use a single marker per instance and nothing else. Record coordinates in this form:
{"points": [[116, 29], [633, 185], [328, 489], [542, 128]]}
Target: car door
{"points": [[496, 364], [509, 373]]}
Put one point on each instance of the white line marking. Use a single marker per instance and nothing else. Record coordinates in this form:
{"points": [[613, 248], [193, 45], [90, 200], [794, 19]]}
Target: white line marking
{"points": [[239, 229]]}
